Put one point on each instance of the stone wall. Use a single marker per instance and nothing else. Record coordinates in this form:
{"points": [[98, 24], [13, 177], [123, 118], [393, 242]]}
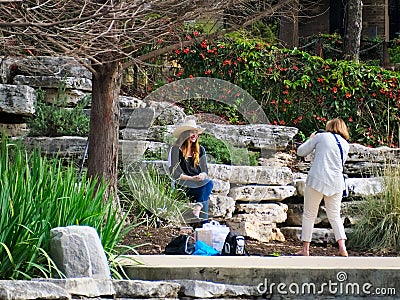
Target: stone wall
{"points": [[263, 202]]}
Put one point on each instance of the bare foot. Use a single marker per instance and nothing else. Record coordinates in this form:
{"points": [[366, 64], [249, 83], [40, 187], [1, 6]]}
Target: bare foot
{"points": [[302, 253], [343, 253]]}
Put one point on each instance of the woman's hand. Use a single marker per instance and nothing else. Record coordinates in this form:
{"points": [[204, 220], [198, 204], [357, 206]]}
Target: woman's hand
{"points": [[199, 177]]}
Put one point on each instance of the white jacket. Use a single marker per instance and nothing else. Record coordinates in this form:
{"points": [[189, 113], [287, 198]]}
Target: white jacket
{"points": [[326, 172]]}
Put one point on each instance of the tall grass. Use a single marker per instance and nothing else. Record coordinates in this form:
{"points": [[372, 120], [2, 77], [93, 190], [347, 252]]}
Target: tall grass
{"points": [[378, 229], [38, 194], [153, 194]]}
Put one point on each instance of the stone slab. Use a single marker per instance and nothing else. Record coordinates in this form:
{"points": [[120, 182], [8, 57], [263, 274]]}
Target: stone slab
{"points": [[285, 276]]}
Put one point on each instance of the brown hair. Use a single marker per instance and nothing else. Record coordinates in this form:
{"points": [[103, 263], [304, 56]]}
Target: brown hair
{"points": [[188, 147], [338, 126]]}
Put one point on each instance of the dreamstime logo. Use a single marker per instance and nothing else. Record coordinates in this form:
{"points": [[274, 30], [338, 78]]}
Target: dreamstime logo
{"points": [[339, 286], [142, 125]]}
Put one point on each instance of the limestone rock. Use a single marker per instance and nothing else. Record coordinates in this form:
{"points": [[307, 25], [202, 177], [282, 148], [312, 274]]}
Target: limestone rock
{"points": [[132, 151], [86, 286], [221, 187], [72, 96], [221, 206], [204, 289], [278, 159], [131, 102], [257, 193], [135, 134], [18, 100], [65, 146], [250, 226], [15, 130], [258, 136], [53, 82], [141, 118], [266, 212], [44, 66], [24, 289], [242, 175], [135, 289], [77, 251], [167, 113]]}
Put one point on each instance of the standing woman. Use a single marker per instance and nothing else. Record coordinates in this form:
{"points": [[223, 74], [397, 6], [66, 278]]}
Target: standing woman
{"points": [[188, 167], [325, 181]]}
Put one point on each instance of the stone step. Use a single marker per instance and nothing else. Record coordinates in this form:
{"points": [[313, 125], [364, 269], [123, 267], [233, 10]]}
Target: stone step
{"points": [[284, 277]]}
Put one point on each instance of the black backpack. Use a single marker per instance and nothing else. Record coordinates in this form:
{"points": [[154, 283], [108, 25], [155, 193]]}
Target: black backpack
{"points": [[234, 245], [180, 245]]}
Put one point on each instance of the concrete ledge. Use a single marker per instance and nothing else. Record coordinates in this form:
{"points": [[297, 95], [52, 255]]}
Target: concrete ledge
{"points": [[285, 275]]}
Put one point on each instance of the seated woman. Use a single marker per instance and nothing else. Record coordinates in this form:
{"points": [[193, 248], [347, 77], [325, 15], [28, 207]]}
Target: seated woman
{"points": [[188, 167]]}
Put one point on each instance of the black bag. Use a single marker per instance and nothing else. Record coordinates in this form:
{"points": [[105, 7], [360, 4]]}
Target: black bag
{"points": [[234, 245], [180, 245]]}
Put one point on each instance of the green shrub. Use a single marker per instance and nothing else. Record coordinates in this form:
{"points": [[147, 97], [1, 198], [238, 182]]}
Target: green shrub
{"points": [[37, 195], [56, 119], [295, 88], [220, 152], [379, 226]]}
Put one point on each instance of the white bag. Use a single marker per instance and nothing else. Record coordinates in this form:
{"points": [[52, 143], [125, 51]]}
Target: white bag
{"points": [[219, 233]]}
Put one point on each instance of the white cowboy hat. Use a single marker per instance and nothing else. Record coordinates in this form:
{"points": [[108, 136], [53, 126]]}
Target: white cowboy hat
{"points": [[188, 124]]}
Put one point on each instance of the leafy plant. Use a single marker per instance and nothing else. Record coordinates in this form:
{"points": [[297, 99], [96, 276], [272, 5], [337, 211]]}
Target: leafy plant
{"points": [[222, 153], [297, 89], [37, 195], [155, 195], [379, 226], [56, 119]]}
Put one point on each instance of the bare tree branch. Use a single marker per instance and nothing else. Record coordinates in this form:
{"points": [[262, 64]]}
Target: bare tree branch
{"points": [[116, 30]]}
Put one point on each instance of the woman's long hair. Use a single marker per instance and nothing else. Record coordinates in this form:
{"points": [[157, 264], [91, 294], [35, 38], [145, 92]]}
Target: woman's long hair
{"points": [[338, 126], [188, 147]]}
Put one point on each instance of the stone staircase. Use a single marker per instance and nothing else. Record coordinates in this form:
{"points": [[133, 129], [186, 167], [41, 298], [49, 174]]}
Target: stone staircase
{"points": [[285, 277]]}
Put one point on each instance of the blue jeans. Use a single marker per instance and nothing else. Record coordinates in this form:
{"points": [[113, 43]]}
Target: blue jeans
{"points": [[201, 195]]}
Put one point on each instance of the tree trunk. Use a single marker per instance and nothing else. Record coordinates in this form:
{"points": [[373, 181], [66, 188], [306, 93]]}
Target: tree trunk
{"points": [[104, 126], [353, 29]]}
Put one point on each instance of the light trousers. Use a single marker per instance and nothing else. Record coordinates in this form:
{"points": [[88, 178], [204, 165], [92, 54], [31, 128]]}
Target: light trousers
{"points": [[312, 199]]}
